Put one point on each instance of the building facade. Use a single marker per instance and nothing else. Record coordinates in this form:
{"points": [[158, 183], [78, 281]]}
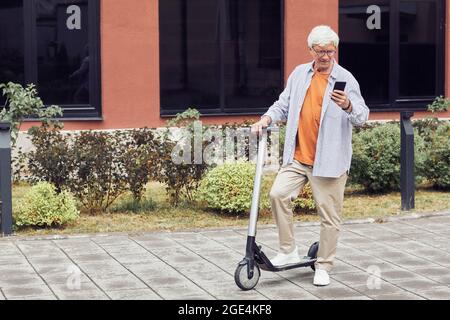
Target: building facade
{"points": [[114, 64]]}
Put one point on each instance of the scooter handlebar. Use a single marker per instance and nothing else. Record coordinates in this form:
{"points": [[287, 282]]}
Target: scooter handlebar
{"points": [[265, 130]]}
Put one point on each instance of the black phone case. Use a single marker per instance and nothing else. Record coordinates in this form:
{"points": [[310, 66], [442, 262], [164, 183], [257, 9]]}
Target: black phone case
{"points": [[340, 85]]}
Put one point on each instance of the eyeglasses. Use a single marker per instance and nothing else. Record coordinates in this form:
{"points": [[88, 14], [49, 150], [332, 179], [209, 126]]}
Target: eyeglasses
{"points": [[321, 53]]}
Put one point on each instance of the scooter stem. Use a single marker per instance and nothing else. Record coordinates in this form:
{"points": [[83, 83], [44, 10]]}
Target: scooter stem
{"points": [[254, 211]]}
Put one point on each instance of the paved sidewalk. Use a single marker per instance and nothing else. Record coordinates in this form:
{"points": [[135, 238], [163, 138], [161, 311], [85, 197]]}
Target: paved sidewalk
{"points": [[402, 259]]}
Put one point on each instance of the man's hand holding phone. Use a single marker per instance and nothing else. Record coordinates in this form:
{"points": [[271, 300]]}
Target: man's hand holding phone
{"points": [[340, 97]]}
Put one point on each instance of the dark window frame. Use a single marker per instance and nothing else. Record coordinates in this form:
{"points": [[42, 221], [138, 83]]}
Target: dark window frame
{"points": [[84, 112], [167, 112], [397, 104]]}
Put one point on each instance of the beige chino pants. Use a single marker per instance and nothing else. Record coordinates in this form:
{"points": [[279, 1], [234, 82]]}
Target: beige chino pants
{"points": [[328, 194]]}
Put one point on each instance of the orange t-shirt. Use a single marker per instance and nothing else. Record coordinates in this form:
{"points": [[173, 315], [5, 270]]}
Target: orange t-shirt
{"points": [[308, 127]]}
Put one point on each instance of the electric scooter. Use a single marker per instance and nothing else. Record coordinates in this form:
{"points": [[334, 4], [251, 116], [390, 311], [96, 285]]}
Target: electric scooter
{"points": [[248, 270]]}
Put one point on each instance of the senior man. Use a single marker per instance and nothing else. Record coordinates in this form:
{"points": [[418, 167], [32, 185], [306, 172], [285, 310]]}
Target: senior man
{"points": [[318, 146]]}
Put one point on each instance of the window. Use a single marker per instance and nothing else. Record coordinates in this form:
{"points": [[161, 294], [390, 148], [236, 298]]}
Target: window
{"points": [[395, 50], [55, 45], [220, 56]]}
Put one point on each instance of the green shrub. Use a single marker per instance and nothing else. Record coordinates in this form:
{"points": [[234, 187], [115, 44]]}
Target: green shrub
{"points": [[52, 160], [99, 177], [376, 158], [42, 206], [436, 135], [229, 188], [181, 179], [437, 163], [139, 159], [22, 103], [440, 104]]}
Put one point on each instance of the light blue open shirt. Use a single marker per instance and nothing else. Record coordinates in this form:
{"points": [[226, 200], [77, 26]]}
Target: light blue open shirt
{"points": [[334, 144]]}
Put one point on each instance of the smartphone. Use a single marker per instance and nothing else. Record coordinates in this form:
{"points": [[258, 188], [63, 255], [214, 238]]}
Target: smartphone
{"points": [[340, 85]]}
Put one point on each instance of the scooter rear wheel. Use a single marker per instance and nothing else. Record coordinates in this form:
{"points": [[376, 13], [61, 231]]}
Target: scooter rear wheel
{"points": [[242, 280]]}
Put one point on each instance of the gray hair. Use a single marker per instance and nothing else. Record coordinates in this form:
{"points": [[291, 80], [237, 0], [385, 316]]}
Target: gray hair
{"points": [[322, 36]]}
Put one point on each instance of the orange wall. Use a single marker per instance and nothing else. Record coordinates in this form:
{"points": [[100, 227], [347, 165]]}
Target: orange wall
{"points": [[130, 60]]}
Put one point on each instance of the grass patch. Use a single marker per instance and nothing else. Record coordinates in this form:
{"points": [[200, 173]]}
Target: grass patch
{"points": [[157, 215], [133, 206]]}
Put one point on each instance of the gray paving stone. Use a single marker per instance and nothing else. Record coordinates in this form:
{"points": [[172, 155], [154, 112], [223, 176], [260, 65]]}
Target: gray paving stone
{"points": [[418, 285], [186, 292], [112, 240], [120, 283], [183, 259], [444, 280], [83, 295], [334, 291], [132, 248], [391, 256], [158, 244], [220, 234], [55, 268], [26, 291], [100, 270], [399, 296], [152, 270], [342, 267], [81, 284], [50, 261], [164, 282], [217, 277], [135, 294], [370, 262], [22, 281], [398, 274], [294, 293], [440, 294], [360, 297], [9, 260], [351, 279], [443, 261], [43, 298], [64, 277], [133, 258], [151, 237], [431, 272], [432, 254], [16, 273], [232, 292], [204, 266], [101, 257], [42, 254], [374, 290], [413, 258], [412, 263], [87, 291]]}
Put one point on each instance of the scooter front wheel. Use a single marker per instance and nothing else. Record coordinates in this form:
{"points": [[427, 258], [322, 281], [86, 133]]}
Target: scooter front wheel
{"points": [[312, 253], [242, 280]]}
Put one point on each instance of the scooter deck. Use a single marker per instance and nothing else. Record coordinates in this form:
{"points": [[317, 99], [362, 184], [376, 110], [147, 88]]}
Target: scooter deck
{"points": [[304, 263]]}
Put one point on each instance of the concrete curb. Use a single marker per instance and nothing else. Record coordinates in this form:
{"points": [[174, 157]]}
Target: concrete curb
{"points": [[413, 216]]}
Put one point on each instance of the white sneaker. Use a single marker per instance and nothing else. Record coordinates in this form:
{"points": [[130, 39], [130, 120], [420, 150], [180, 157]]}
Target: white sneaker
{"points": [[321, 278], [283, 259]]}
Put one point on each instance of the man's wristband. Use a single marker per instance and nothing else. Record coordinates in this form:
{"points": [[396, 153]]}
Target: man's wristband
{"points": [[349, 106]]}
